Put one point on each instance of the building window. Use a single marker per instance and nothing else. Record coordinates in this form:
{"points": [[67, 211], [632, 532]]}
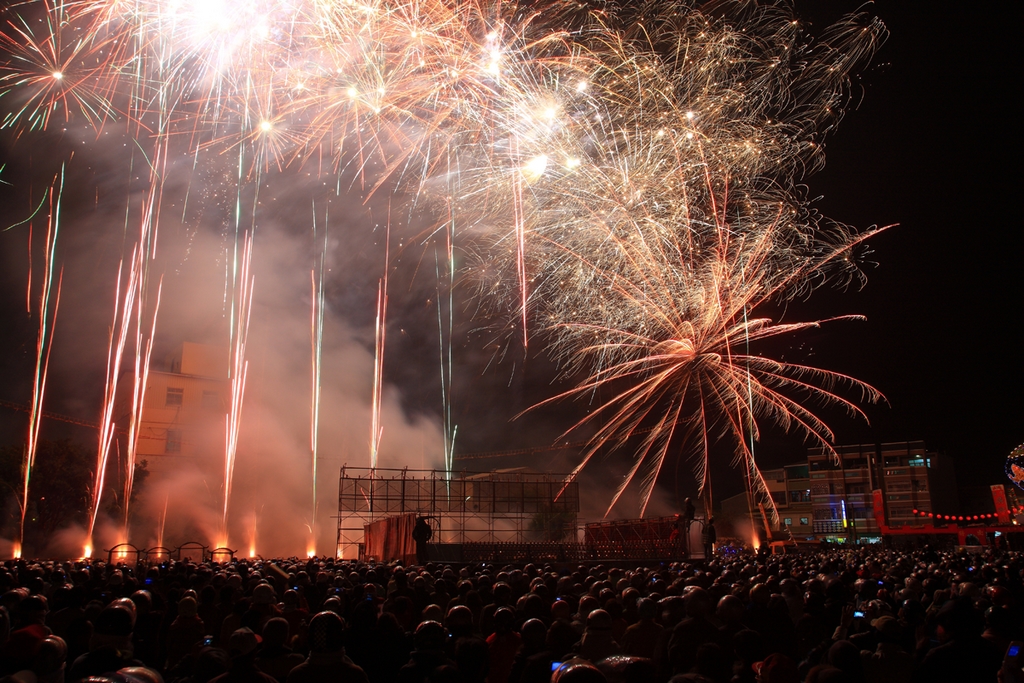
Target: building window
{"points": [[788, 521], [175, 396], [173, 443], [804, 521], [211, 399]]}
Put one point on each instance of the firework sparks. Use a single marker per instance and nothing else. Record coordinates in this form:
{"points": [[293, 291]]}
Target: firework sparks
{"points": [[376, 430], [674, 215], [237, 371], [44, 340], [317, 338], [628, 177]]}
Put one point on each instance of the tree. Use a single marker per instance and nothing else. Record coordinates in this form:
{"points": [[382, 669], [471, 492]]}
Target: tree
{"points": [[59, 490]]}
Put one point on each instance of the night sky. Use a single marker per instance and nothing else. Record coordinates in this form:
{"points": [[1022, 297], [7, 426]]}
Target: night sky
{"points": [[929, 145]]}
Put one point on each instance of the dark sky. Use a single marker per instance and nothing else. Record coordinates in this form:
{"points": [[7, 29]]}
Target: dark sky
{"points": [[933, 147], [930, 146]]}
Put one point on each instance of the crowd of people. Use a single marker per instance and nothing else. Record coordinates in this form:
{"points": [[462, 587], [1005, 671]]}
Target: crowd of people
{"points": [[865, 615]]}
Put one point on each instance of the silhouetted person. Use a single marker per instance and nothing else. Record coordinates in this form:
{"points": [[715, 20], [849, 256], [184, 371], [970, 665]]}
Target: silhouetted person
{"points": [[421, 534], [708, 537], [327, 662]]}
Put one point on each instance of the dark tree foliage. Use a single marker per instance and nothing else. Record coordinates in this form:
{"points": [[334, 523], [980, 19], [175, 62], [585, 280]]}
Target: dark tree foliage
{"points": [[59, 490]]}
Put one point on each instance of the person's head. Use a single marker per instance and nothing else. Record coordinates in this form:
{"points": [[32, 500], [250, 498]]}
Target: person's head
{"points": [[275, 632], [210, 663], [459, 621], [504, 619], [429, 635], [587, 604], [578, 671], [326, 633], [776, 668], [472, 658], [533, 633], [599, 622], [50, 659], [140, 674], [647, 609], [958, 619], [187, 607], [845, 656], [242, 645], [888, 628], [32, 610], [114, 621], [264, 594]]}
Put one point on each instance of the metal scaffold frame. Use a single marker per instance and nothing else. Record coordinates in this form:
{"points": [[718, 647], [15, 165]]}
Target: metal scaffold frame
{"points": [[467, 507]]}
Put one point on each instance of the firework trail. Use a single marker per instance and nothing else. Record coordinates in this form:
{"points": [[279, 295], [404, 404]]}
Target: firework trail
{"points": [[143, 344], [237, 369], [44, 341], [380, 335], [444, 331], [161, 524], [252, 533], [317, 338], [143, 355], [115, 349]]}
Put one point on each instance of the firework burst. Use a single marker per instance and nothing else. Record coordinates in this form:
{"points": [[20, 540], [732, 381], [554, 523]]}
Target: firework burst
{"points": [[663, 212], [628, 177]]}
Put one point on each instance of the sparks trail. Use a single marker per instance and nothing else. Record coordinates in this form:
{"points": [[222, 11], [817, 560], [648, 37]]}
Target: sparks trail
{"points": [[44, 341]]}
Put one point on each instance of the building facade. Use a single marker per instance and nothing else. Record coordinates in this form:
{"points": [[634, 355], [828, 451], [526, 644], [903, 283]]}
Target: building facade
{"points": [[909, 476], [183, 411]]}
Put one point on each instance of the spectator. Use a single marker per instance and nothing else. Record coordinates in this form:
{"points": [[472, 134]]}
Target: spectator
{"points": [[243, 647], [327, 662], [275, 658], [110, 647]]}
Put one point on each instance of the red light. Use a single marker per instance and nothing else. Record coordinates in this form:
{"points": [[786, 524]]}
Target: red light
{"points": [[975, 517], [961, 518]]}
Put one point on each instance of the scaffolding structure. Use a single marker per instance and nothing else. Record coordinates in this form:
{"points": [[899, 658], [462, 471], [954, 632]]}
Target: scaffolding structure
{"points": [[506, 506]]}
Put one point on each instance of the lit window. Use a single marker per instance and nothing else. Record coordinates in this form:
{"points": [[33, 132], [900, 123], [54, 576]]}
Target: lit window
{"points": [[803, 520], [788, 521], [173, 443], [175, 396]]}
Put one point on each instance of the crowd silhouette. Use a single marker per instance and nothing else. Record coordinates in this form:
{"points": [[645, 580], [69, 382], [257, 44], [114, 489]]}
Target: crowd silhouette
{"points": [[867, 615]]}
